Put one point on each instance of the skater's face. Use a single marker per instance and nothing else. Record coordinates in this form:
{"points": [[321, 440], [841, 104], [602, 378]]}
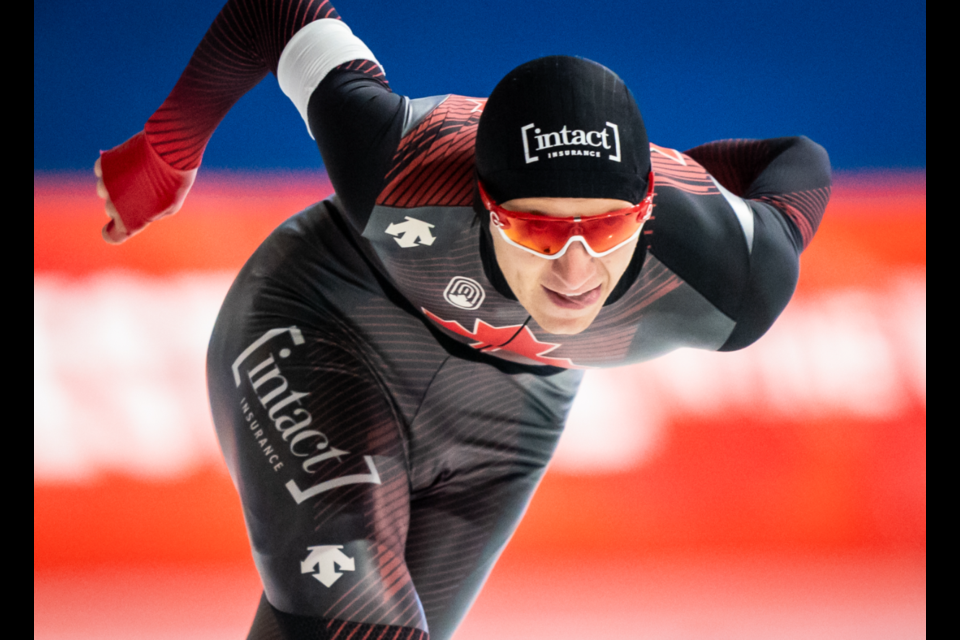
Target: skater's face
{"points": [[564, 295]]}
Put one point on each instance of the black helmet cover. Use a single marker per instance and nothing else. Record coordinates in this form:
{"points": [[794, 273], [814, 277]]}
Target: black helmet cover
{"points": [[562, 127]]}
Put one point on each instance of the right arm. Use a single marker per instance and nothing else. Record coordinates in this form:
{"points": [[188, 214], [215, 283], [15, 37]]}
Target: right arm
{"points": [[149, 176], [339, 89]]}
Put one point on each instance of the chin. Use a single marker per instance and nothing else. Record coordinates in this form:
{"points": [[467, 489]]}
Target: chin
{"points": [[568, 326]]}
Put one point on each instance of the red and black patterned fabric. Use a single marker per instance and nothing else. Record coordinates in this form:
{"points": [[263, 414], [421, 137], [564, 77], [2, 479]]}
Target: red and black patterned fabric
{"points": [[747, 168], [433, 164], [241, 47], [149, 176]]}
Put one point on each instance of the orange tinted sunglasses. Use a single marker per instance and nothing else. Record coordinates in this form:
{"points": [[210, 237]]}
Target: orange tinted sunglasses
{"points": [[549, 237]]}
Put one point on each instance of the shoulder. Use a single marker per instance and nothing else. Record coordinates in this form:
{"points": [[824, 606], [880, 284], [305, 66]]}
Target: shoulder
{"points": [[699, 230], [434, 162], [694, 215]]}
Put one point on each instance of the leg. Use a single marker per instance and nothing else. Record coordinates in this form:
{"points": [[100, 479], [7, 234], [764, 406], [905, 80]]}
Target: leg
{"points": [[365, 471], [314, 446], [482, 441], [272, 624]]}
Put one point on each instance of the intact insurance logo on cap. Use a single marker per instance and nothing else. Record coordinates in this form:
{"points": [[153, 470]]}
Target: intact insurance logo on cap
{"points": [[570, 142]]}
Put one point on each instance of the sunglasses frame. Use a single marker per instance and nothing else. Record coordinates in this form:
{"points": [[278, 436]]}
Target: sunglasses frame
{"points": [[644, 208]]}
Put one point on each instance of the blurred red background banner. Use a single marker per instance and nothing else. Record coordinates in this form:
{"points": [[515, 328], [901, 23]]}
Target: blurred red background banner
{"points": [[812, 439]]}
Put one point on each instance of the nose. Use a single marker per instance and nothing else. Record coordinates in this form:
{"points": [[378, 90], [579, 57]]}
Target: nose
{"points": [[575, 269]]}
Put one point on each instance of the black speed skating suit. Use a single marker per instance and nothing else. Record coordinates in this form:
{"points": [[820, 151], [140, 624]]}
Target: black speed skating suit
{"points": [[385, 406]]}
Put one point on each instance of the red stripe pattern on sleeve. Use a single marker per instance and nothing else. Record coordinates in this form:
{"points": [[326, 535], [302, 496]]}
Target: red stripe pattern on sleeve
{"points": [[434, 164], [734, 163], [368, 67], [243, 44], [804, 208], [674, 169], [739, 165]]}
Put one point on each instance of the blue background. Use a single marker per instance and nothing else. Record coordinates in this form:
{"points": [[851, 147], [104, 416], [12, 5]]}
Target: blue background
{"points": [[849, 74]]}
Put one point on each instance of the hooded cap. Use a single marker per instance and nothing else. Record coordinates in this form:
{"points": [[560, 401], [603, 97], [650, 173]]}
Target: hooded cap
{"points": [[562, 127]]}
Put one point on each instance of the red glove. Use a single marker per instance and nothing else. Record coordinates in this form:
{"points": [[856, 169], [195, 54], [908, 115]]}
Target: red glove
{"points": [[141, 186]]}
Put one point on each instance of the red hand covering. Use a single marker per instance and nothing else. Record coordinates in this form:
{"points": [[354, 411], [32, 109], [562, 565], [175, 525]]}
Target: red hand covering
{"points": [[141, 185]]}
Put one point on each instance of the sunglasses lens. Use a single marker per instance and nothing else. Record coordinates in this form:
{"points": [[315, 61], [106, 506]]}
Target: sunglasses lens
{"points": [[549, 237], [541, 236], [607, 233]]}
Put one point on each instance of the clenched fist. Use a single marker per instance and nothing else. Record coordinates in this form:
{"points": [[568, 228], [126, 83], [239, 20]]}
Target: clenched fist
{"points": [[138, 186]]}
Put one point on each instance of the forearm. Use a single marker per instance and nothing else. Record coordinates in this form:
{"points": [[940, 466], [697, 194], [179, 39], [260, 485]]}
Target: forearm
{"points": [[243, 44], [148, 176]]}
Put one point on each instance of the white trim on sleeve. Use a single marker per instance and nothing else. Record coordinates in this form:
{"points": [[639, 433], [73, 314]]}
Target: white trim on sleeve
{"points": [[743, 212], [311, 54]]}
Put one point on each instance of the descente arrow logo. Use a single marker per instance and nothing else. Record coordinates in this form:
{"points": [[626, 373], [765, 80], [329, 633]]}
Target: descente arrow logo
{"points": [[412, 231], [326, 558]]}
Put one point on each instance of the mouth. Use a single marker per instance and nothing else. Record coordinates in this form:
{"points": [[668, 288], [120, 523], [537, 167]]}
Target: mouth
{"points": [[574, 301]]}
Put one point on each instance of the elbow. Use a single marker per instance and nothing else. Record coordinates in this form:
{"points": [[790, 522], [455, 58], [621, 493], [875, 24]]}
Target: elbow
{"points": [[759, 314]]}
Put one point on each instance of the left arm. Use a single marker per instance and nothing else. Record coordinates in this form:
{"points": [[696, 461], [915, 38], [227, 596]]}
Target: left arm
{"points": [[786, 182], [790, 174], [734, 217]]}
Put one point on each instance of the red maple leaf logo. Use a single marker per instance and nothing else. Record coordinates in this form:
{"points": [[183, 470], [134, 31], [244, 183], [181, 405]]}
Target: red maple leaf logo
{"points": [[516, 338]]}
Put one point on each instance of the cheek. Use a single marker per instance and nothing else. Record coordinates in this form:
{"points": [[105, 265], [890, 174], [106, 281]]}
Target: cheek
{"points": [[526, 272], [617, 262], [521, 269]]}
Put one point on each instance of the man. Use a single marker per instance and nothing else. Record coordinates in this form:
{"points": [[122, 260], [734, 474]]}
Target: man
{"points": [[391, 370]]}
